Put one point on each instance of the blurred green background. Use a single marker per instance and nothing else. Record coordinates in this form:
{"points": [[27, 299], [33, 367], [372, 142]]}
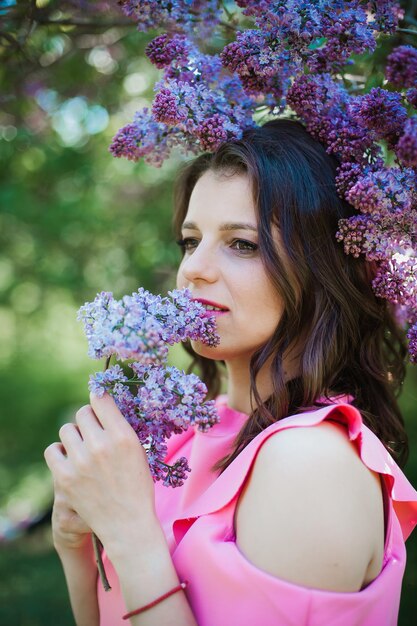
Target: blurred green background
{"points": [[75, 221]]}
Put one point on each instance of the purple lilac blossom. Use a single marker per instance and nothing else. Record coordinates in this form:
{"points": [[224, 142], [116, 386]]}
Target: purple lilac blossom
{"points": [[401, 67], [404, 315], [288, 34], [165, 49], [339, 30], [212, 133], [323, 106], [317, 96], [412, 338], [381, 112], [193, 17], [379, 236], [167, 107], [158, 402], [411, 95], [100, 382], [406, 149], [144, 137], [387, 14], [141, 325], [194, 94], [347, 33], [262, 67], [396, 281], [349, 172], [385, 189]]}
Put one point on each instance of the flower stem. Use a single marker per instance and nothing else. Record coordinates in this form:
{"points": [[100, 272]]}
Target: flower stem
{"points": [[226, 10], [407, 30], [97, 545]]}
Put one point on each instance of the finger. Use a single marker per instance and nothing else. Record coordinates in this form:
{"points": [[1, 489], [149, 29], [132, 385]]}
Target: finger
{"points": [[76, 524], [88, 424], [54, 455], [67, 517], [70, 437], [108, 414]]}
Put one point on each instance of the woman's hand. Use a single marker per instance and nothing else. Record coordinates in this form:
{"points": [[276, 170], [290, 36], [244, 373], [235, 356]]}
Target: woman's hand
{"points": [[69, 531], [101, 471]]}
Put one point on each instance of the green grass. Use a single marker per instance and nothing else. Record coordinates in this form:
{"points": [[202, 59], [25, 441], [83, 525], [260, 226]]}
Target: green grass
{"points": [[32, 588]]}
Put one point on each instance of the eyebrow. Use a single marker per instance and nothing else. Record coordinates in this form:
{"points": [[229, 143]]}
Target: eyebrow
{"points": [[225, 226]]}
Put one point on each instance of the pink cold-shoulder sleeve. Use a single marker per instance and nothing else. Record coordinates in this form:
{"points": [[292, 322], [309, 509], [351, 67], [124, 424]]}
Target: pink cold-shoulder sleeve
{"points": [[225, 588], [371, 451]]}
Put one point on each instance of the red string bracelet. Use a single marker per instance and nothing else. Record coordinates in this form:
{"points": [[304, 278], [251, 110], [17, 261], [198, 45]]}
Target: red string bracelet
{"points": [[154, 602]]}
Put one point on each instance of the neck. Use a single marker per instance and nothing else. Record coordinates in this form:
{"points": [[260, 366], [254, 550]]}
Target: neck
{"points": [[238, 387], [238, 383]]}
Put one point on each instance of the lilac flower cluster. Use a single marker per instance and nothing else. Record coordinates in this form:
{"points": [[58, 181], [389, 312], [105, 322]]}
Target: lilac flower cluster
{"points": [[388, 189], [351, 128], [406, 148], [322, 104], [158, 402], [412, 338], [167, 401], [197, 105], [194, 17], [397, 280], [401, 67], [205, 99], [293, 53], [141, 325], [411, 95], [381, 111], [144, 138], [319, 34]]}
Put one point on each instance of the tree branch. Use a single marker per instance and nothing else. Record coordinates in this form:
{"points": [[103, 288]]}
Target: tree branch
{"points": [[83, 22]]}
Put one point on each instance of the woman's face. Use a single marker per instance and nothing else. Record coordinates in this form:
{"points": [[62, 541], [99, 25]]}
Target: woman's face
{"points": [[222, 265]]}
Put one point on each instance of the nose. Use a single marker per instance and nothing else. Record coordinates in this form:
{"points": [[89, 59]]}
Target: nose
{"points": [[200, 265]]}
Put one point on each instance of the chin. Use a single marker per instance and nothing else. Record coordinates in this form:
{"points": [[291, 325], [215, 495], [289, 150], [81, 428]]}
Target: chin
{"points": [[219, 353], [208, 352]]}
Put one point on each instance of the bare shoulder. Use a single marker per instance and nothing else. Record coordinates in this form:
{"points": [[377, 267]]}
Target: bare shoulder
{"points": [[311, 512]]}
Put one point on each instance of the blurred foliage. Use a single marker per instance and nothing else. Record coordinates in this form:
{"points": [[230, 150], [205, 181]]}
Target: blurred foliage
{"points": [[75, 221]]}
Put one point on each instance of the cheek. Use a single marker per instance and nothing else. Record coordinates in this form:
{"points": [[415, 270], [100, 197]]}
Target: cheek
{"points": [[180, 280], [265, 300]]}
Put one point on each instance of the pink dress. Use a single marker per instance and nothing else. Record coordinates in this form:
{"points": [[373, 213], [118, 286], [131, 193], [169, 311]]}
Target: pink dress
{"points": [[225, 589]]}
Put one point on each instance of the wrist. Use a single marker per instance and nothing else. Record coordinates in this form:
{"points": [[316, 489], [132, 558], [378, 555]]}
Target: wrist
{"points": [[146, 572], [135, 544]]}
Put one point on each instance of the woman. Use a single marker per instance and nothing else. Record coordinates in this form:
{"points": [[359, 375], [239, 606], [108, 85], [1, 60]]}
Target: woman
{"points": [[304, 527]]}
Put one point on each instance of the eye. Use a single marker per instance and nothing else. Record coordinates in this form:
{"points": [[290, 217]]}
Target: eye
{"points": [[244, 246], [187, 244]]}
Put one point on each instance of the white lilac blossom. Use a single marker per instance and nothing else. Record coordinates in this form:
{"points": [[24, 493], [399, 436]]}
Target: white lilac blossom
{"points": [[225, 64], [156, 400]]}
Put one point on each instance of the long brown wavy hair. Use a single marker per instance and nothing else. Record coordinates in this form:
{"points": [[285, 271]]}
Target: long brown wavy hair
{"points": [[351, 342]]}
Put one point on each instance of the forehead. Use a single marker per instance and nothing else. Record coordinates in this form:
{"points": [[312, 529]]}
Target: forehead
{"points": [[223, 196]]}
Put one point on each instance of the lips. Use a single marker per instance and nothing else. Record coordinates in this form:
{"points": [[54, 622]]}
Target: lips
{"points": [[204, 302]]}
